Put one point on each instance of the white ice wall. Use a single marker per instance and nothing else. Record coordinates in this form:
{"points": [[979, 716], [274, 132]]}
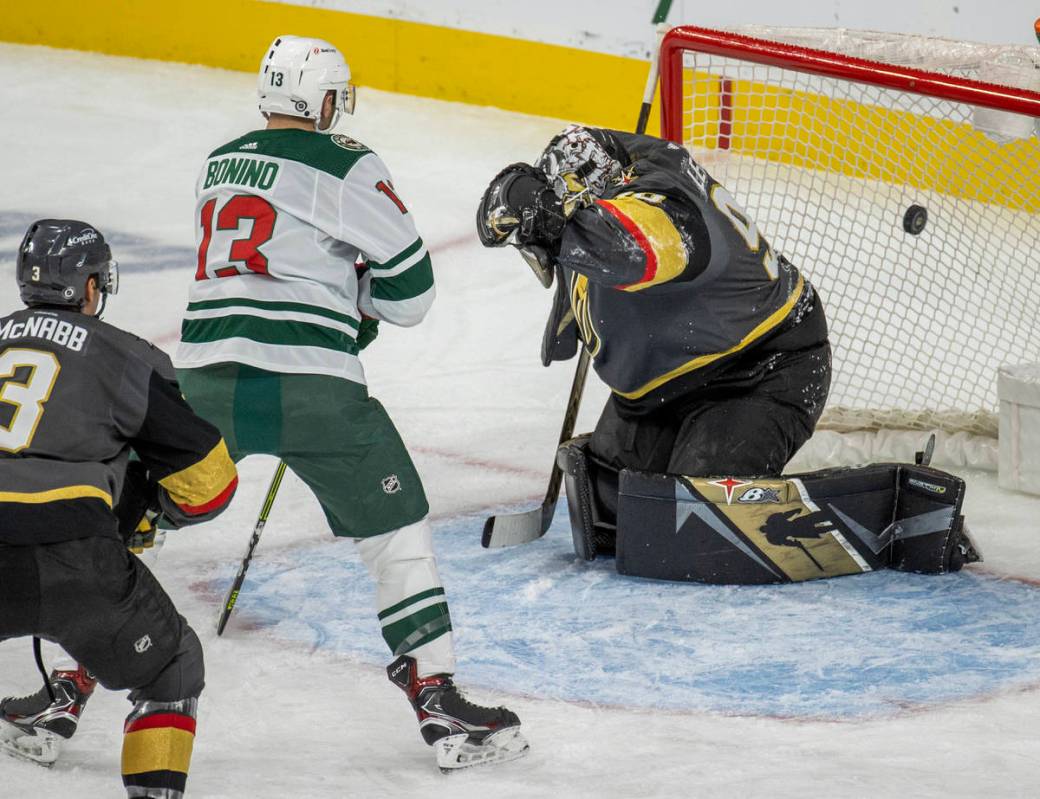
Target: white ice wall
{"points": [[622, 27]]}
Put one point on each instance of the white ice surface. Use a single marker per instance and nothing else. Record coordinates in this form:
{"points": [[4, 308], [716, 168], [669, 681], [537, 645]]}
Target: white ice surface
{"points": [[118, 142]]}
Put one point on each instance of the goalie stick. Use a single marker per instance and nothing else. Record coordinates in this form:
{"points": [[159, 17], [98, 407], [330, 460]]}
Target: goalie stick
{"points": [[520, 528], [510, 529], [236, 586]]}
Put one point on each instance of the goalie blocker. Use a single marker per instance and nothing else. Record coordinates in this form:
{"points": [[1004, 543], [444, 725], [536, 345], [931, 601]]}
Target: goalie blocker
{"points": [[772, 530]]}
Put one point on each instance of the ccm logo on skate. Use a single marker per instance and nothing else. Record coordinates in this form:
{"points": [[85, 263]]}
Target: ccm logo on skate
{"points": [[142, 644], [398, 670], [927, 486]]}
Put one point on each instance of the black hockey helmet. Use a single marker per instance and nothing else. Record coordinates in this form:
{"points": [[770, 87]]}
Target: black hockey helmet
{"points": [[55, 259]]}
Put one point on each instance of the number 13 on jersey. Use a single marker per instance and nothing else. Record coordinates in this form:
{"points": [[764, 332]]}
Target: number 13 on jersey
{"points": [[248, 214]]}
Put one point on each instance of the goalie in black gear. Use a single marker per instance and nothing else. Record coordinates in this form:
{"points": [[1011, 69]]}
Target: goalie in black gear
{"points": [[713, 345]]}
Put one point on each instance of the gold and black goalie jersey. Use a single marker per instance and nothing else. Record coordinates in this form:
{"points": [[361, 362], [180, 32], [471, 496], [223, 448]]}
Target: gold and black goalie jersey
{"points": [[76, 395], [670, 283]]}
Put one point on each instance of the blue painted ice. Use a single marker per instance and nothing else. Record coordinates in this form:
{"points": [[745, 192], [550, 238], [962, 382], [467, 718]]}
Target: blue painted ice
{"points": [[136, 253], [535, 620]]}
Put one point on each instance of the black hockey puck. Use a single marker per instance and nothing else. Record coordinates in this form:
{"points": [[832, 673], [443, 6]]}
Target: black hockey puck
{"points": [[915, 218]]}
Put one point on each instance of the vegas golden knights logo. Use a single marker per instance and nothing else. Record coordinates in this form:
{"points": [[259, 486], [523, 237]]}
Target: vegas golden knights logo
{"points": [[583, 313]]}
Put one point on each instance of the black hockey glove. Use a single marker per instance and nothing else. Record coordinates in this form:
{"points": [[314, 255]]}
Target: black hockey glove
{"points": [[138, 504], [519, 207]]}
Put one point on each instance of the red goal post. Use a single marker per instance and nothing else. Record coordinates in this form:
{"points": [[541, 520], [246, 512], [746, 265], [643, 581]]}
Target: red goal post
{"points": [[830, 152], [689, 38]]}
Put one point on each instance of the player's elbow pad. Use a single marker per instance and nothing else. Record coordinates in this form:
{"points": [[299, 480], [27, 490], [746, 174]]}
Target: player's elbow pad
{"points": [[201, 491]]}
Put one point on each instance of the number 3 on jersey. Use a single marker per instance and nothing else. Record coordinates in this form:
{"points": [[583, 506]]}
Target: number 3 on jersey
{"points": [[27, 397], [244, 254]]}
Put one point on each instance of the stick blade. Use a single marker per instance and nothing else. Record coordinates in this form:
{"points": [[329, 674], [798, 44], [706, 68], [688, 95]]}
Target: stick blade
{"points": [[222, 621], [227, 607], [512, 529]]}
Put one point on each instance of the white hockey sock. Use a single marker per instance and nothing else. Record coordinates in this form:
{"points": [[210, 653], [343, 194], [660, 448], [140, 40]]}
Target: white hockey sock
{"points": [[413, 610]]}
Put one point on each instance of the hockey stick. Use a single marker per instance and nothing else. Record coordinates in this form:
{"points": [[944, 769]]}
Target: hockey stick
{"points": [[521, 528], [265, 511]]}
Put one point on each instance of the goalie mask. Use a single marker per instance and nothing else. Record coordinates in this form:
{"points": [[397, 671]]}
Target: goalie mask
{"points": [[579, 168], [295, 76]]}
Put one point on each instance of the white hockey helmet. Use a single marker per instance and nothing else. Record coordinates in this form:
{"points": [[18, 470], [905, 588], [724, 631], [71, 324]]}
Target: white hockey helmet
{"points": [[295, 74]]}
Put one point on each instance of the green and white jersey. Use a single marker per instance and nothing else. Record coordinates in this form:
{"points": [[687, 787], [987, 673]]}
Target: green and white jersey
{"points": [[284, 220]]}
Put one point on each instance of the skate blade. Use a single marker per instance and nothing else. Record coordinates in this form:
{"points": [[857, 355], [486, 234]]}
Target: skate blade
{"points": [[457, 752], [42, 748]]}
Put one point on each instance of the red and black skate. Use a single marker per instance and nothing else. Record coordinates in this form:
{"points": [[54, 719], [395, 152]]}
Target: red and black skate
{"points": [[462, 733], [33, 727]]}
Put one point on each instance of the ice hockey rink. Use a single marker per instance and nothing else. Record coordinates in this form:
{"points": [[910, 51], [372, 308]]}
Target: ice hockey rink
{"points": [[881, 685]]}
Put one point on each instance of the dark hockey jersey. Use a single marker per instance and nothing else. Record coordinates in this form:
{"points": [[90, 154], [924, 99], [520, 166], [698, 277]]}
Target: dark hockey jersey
{"points": [[671, 284], [76, 395]]}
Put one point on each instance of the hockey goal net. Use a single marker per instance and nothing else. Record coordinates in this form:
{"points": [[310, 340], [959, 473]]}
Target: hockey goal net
{"points": [[837, 144]]}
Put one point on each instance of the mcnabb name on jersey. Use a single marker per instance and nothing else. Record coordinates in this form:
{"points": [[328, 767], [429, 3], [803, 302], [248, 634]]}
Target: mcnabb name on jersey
{"points": [[45, 326]]}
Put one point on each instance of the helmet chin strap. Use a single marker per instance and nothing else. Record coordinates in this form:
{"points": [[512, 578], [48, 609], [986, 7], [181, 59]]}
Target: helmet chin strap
{"points": [[336, 114], [343, 103]]}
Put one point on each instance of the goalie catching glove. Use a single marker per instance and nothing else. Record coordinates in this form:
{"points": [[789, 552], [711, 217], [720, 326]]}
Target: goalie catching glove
{"points": [[519, 207]]}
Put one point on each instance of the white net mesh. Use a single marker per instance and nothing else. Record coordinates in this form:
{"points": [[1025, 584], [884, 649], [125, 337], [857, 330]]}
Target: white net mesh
{"points": [[831, 169]]}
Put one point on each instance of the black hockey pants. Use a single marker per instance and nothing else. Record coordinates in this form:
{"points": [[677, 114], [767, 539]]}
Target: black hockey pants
{"points": [[106, 609], [750, 431]]}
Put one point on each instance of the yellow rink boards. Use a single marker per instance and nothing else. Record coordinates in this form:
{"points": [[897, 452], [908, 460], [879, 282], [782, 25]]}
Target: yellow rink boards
{"points": [[390, 54]]}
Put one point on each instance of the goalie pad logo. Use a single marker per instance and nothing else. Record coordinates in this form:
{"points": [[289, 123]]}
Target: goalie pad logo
{"points": [[929, 487], [760, 494], [727, 484], [771, 524]]}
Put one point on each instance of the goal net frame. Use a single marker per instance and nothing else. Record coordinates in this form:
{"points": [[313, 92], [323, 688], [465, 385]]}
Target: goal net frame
{"points": [[826, 66]]}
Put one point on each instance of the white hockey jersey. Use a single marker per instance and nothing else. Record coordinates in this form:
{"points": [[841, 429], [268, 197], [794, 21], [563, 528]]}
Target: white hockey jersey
{"points": [[286, 220]]}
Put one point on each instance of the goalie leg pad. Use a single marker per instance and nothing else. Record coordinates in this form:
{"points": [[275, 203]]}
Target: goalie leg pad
{"points": [[803, 527], [572, 458], [928, 533], [591, 488]]}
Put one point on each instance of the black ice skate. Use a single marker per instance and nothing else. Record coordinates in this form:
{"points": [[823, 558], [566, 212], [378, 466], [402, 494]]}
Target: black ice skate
{"points": [[34, 727], [462, 734]]}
